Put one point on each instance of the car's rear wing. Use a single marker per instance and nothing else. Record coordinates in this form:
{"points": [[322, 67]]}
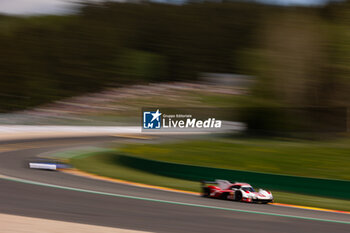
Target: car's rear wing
{"points": [[223, 184], [207, 182]]}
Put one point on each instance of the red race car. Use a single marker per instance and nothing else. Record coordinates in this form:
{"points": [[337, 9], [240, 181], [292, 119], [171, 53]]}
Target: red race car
{"points": [[236, 191]]}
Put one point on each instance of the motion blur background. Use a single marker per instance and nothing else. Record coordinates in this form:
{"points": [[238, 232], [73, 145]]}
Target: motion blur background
{"points": [[296, 52], [283, 66]]}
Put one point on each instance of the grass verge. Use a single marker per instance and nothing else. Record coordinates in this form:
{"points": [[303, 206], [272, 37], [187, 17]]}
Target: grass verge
{"points": [[330, 160], [105, 164]]}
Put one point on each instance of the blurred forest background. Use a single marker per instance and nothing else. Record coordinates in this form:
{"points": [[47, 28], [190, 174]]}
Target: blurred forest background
{"points": [[300, 56]]}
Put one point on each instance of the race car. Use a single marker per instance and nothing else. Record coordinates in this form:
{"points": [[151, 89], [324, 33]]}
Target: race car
{"points": [[223, 189]]}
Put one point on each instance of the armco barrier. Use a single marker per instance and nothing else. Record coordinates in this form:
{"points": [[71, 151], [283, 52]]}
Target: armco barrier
{"points": [[302, 185]]}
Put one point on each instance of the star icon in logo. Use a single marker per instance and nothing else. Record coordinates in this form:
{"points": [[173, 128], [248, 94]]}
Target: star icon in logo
{"points": [[156, 115]]}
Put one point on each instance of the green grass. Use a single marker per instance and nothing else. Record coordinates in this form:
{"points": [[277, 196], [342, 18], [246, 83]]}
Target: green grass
{"points": [[105, 164], [329, 160]]}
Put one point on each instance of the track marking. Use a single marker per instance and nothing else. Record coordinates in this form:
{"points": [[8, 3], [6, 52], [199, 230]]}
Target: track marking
{"points": [[29, 145], [166, 202], [134, 136], [119, 181], [311, 208], [34, 145], [77, 172]]}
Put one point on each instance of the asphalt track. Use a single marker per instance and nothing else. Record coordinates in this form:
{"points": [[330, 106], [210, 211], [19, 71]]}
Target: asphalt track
{"points": [[61, 196]]}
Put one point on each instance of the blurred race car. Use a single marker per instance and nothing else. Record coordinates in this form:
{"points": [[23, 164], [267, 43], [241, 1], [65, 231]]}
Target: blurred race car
{"points": [[224, 189]]}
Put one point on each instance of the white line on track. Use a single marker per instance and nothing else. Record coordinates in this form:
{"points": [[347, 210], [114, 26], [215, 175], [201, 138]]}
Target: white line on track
{"points": [[165, 201]]}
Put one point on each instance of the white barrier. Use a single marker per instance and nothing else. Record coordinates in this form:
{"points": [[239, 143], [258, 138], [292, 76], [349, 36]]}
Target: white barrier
{"points": [[14, 132], [44, 166]]}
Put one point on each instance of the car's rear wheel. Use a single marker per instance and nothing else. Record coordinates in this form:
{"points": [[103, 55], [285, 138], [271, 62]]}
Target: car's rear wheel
{"points": [[238, 196], [206, 192], [224, 196]]}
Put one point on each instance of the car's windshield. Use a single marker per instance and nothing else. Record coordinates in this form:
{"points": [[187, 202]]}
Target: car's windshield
{"points": [[250, 189]]}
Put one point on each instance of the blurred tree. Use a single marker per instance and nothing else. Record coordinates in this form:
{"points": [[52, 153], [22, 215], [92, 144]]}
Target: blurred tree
{"points": [[300, 56]]}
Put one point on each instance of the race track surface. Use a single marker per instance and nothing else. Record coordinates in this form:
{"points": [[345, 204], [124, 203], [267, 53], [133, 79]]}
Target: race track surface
{"points": [[82, 200]]}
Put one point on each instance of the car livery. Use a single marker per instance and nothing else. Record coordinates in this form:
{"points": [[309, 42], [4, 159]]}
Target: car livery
{"points": [[223, 189]]}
